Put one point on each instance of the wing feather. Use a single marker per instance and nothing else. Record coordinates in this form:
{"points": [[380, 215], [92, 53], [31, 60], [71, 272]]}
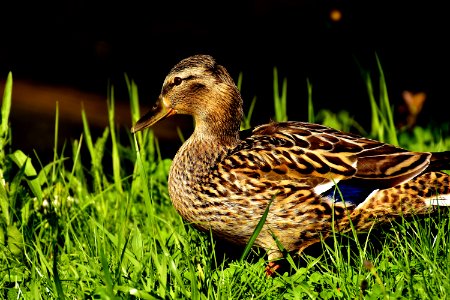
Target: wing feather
{"points": [[319, 156]]}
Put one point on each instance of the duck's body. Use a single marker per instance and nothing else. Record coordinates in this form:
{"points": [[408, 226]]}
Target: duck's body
{"points": [[221, 180]]}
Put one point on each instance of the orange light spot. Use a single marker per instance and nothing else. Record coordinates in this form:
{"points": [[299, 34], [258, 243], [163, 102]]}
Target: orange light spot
{"points": [[335, 15]]}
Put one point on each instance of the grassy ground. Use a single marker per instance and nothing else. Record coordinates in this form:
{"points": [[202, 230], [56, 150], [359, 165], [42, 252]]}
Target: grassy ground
{"points": [[101, 226]]}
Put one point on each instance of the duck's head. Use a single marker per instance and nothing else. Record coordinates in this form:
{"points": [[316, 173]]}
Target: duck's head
{"points": [[199, 87]]}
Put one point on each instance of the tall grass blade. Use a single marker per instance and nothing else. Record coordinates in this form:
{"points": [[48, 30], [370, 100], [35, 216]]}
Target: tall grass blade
{"points": [[376, 124], [144, 181], [106, 273], [4, 140], [6, 106], [311, 117], [256, 232], [386, 107], [246, 122], [180, 135], [56, 278], [96, 152], [283, 250], [133, 95], [4, 125], [239, 81], [279, 100], [115, 149], [4, 204], [55, 143], [134, 99], [76, 161]]}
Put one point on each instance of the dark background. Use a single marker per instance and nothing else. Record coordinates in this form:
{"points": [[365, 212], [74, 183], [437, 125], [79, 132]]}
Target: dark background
{"points": [[76, 48]]}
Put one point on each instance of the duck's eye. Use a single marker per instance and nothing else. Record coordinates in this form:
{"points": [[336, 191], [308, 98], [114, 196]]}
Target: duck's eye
{"points": [[177, 81]]}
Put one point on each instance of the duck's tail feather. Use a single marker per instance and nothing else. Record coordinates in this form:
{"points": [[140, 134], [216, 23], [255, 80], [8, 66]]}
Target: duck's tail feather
{"points": [[417, 196], [414, 196]]}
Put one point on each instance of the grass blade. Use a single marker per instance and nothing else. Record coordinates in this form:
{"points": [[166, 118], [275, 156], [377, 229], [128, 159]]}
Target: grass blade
{"points": [[55, 143], [115, 150], [256, 232], [32, 179], [6, 105], [56, 278], [386, 107], [279, 100], [311, 117]]}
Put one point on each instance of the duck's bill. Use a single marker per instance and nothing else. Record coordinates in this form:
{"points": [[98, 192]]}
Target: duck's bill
{"points": [[158, 112]]}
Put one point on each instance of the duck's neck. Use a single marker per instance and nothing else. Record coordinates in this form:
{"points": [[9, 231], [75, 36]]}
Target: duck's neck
{"points": [[198, 155], [194, 163]]}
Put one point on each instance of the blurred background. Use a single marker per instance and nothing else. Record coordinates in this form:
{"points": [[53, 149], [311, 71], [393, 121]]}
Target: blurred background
{"points": [[70, 52]]}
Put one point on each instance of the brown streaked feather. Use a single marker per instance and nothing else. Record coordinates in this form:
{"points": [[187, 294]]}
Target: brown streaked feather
{"points": [[317, 154], [391, 169]]}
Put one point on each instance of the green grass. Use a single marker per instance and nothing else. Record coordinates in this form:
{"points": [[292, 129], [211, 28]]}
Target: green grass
{"points": [[101, 226]]}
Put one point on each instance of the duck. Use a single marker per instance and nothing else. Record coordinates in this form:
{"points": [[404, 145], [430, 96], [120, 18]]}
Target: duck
{"points": [[316, 179]]}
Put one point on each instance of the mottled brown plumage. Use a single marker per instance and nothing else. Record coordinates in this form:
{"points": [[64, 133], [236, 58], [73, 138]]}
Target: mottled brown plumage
{"points": [[221, 180]]}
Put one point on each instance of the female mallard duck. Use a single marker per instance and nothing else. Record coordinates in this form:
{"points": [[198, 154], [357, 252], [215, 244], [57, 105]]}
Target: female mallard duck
{"points": [[318, 177]]}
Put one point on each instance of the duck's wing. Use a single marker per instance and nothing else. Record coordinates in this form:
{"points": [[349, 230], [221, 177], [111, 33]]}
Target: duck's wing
{"points": [[320, 157]]}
